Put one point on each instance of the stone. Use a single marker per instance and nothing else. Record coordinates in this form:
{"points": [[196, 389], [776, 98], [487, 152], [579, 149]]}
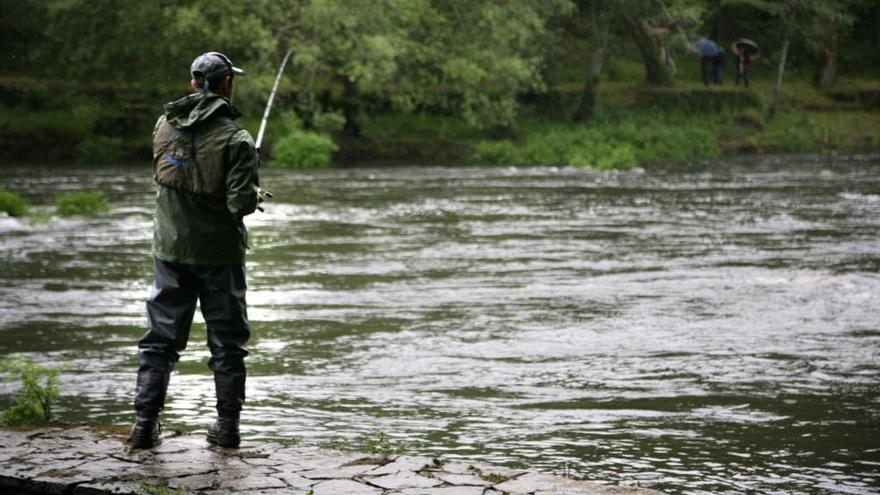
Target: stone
{"points": [[196, 482], [115, 488], [336, 472], [344, 487], [13, 438], [296, 481], [443, 490], [528, 483], [403, 463], [462, 479], [287, 467], [494, 473], [167, 471], [248, 484], [85, 462], [406, 479], [54, 486]]}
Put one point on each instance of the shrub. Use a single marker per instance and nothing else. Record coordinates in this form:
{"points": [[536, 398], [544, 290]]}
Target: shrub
{"points": [[81, 203], [12, 203], [99, 150], [39, 388], [564, 146], [605, 156], [303, 149]]}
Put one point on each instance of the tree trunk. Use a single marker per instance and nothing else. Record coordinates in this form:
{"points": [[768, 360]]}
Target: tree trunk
{"points": [[657, 73], [826, 65], [351, 108], [780, 70], [599, 33], [826, 49]]}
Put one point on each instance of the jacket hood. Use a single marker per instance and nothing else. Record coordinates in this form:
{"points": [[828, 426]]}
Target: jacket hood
{"points": [[197, 107]]}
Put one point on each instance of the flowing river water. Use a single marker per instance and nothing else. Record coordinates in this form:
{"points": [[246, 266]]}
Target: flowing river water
{"points": [[709, 327]]}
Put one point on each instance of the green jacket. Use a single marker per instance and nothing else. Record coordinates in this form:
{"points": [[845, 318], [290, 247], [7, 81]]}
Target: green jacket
{"points": [[205, 166]]}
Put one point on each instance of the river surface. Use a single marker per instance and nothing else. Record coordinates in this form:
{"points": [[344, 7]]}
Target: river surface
{"points": [[711, 327]]}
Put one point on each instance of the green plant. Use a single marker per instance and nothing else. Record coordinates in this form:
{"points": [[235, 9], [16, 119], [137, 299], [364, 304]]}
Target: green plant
{"points": [[81, 203], [379, 443], [374, 443], [300, 148], [303, 149], [99, 150], [39, 388], [12, 203]]}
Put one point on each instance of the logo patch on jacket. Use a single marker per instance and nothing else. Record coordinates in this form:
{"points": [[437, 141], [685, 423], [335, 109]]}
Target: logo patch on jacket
{"points": [[179, 148]]}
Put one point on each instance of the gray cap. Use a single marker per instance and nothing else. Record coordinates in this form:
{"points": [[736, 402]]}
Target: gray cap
{"points": [[213, 66]]}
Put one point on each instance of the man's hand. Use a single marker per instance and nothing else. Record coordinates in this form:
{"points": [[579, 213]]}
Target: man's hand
{"points": [[262, 195]]}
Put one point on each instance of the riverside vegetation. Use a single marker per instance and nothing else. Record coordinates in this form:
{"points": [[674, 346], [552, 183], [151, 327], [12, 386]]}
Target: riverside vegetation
{"points": [[39, 389], [583, 83], [69, 204]]}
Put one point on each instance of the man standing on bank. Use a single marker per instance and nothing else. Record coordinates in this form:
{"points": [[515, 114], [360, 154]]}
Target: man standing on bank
{"points": [[205, 166]]}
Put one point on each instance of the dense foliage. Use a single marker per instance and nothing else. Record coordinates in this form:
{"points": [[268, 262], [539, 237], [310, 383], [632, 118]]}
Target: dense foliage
{"points": [[106, 64]]}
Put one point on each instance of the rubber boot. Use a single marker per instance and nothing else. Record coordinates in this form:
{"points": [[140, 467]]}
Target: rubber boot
{"points": [[146, 433], [149, 394], [224, 433]]}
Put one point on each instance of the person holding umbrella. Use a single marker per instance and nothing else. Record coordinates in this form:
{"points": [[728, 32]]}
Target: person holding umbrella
{"points": [[712, 58], [745, 50]]}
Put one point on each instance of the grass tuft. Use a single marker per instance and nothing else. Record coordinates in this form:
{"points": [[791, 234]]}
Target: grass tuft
{"points": [[13, 203], [81, 203]]}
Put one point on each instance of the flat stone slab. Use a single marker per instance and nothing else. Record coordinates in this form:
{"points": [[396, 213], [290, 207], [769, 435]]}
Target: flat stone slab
{"points": [[89, 461]]}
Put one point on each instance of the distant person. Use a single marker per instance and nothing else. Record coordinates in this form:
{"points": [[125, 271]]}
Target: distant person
{"points": [[718, 68], [205, 165], [743, 68], [745, 51], [706, 64], [711, 64]]}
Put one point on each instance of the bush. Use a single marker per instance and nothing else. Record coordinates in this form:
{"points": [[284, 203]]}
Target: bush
{"points": [[81, 203], [12, 203], [564, 148], [300, 148], [605, 156], [303, 149], [99, 150], [39, 389]]}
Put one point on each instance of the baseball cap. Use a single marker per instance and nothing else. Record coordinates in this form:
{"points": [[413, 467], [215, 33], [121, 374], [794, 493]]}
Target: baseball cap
{"points": [[213, 66]]}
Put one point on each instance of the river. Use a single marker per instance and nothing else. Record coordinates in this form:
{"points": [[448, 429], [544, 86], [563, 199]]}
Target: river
{"points": [[708, 327]]}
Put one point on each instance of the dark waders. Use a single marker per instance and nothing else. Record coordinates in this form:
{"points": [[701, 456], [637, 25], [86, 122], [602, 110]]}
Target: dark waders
{"points": [[170, 309]]}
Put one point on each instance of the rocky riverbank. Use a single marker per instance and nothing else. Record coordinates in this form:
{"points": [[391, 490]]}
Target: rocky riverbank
{"points": [[86, 461]]}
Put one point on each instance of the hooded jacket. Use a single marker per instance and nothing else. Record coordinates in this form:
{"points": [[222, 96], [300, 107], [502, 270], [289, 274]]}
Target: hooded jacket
{"points": [[205, 166]]}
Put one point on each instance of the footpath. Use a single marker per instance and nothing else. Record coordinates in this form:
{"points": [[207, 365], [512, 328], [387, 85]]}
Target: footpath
{"points": [[87, 461]]}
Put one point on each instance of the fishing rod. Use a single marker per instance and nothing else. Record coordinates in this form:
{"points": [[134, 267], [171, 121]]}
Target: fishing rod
{"points": [[262, 193]]}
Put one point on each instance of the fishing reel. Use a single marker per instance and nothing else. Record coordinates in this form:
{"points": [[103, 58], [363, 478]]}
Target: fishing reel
{"points": [[262, 195]]}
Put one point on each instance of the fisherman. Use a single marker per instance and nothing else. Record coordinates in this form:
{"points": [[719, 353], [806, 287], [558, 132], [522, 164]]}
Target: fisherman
{"points": [[205, 165]]}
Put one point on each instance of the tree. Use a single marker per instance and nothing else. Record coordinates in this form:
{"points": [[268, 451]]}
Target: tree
{"points": [[466, 56], [793, 17], [598, 13], [645, 21], [823, 36]]}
